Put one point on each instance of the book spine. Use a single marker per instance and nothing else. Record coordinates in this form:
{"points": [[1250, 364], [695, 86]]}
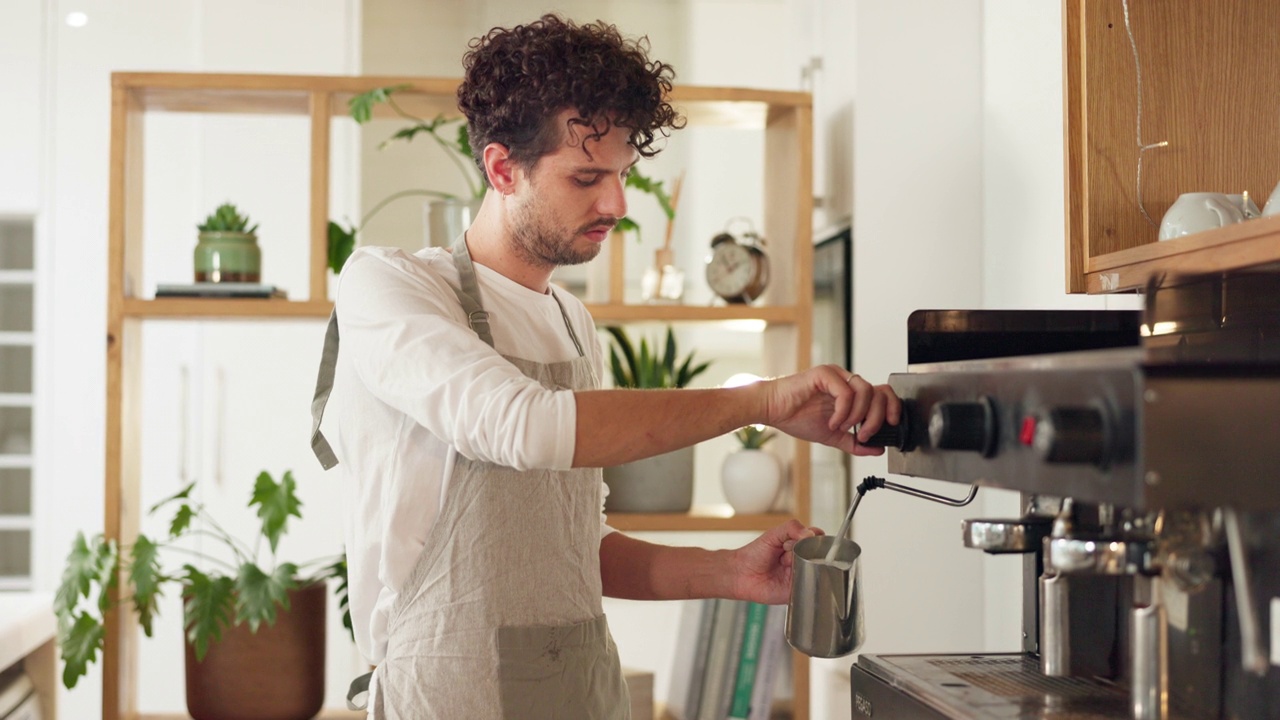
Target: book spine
{"points": [[773, 652], [749, 661], [682, 666], [717, 659], [730, 672], [698, 676]]}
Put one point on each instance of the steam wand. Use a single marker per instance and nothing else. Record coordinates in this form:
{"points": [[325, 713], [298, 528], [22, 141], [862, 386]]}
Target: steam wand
{"points": [[871, 482]]}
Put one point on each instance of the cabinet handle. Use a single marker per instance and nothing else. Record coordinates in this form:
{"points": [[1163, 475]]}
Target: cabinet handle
{"points": [[219, 408], [184, 420]]}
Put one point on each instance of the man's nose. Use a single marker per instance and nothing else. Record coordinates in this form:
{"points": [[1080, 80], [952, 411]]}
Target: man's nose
{"points": [[613, 199]]}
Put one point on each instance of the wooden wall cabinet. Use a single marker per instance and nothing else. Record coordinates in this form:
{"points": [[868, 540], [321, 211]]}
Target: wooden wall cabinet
{"points": [[785, 119], [1209, 90]]}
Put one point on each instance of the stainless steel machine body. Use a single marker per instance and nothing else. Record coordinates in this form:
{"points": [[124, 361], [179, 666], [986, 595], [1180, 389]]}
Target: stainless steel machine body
{"points": [[1151, 531]]}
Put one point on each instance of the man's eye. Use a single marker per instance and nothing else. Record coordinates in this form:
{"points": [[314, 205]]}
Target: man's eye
{"points": [[586, 180]]}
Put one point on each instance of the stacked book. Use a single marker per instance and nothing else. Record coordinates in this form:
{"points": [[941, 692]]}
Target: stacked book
{"points": [[728, 655], [220, 290]]}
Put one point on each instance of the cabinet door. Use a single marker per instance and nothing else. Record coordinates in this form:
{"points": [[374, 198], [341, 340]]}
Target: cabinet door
{"points": [[258, 381], [170, 458], [223, 402]]}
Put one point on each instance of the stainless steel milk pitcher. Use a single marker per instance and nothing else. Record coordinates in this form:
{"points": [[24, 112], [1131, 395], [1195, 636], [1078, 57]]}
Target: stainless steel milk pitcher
{"points": [[824, 615], [824, 618]]}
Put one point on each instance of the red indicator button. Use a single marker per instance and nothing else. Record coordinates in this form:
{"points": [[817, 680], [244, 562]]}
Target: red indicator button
{"points": [[1027, 433]]}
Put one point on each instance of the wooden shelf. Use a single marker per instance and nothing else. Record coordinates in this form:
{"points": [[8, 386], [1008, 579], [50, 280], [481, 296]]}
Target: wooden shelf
{"points": [[718, 517], [681, 313], [328, 714], [215, 308], [1247, 244], [424, 97]]}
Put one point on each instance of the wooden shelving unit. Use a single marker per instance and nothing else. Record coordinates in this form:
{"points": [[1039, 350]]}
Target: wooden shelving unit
{"points": [[1202, 95], [784, 118]]}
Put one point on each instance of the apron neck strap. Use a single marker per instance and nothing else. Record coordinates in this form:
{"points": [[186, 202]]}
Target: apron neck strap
{"points": [[468, 291]]}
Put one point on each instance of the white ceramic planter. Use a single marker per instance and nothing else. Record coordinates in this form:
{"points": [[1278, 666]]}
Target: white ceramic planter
{"points": [[751, 480]]}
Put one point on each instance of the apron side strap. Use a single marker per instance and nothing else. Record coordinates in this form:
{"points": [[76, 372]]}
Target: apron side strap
{"points": [[324, 385], [358, 692]]}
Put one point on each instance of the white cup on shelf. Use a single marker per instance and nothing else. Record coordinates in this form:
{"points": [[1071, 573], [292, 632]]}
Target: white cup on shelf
{"points": [[1196, 212], [1273, 203]]}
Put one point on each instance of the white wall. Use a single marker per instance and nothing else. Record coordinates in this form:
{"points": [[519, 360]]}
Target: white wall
{"points": [[21, 44], [917, 228], [286, 36], [958, 202]]}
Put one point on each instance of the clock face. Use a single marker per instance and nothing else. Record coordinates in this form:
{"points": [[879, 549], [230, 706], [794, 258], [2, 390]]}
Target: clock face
{"points": [[731, 270]]}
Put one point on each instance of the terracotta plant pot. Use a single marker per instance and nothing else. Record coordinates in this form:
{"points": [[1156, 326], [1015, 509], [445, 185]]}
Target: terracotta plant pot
{"points": [[276, 673]]}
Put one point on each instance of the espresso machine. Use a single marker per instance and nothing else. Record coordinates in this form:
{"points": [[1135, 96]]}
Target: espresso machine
{"points": [[1146, 448]]}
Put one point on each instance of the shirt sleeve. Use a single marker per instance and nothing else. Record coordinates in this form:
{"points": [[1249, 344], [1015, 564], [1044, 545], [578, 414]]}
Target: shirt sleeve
{"points": [[404, 332]]}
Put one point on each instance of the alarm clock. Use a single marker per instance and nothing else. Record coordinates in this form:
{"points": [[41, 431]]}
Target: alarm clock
{"points": [[738, 270]]}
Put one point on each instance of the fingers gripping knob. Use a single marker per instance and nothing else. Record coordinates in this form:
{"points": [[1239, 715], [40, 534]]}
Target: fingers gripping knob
{"points": [[894, 436]]}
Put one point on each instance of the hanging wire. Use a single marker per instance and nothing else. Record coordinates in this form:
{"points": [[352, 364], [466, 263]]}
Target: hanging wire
{"points": [[1137, 67]]}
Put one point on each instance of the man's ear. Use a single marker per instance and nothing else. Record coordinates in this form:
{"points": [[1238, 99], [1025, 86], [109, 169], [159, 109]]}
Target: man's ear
{"points": [[500, 168]]}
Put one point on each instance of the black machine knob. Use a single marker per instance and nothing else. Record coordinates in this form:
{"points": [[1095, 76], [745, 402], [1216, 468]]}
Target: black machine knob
{"points": [[895, 436], [964, 426], [1072, 435]]}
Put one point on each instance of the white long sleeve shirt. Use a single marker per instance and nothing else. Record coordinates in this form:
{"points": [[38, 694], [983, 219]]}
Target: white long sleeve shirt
{"points": [[414, 386]]}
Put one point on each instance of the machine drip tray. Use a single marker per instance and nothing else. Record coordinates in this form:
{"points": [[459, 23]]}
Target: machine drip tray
{"points": [[980, 687]]}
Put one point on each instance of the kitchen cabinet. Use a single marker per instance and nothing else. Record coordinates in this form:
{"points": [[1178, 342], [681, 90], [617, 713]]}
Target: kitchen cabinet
{"points": [[139, 103], [1205, 91]]}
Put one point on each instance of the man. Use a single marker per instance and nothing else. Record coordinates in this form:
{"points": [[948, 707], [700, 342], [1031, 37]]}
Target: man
{"points": [[469, 426]]}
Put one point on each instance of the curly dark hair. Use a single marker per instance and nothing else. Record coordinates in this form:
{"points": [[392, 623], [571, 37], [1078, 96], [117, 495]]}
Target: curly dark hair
{"points": [[518, 79]]}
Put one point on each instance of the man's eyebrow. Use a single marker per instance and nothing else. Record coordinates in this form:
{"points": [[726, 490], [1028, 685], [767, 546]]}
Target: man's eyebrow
{"points": [[597, 170]]}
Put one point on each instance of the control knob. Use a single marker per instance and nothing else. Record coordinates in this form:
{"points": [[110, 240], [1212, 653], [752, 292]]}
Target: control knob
{"points": [[964, 426], [895, 436], [1072, 435]]}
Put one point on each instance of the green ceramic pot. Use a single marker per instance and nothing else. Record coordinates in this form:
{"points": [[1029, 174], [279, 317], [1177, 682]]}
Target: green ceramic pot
{"points": [[228, 257]]}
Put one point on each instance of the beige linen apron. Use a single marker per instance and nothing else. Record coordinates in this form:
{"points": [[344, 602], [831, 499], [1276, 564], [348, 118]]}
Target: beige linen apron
{"points": [[501, 616]]}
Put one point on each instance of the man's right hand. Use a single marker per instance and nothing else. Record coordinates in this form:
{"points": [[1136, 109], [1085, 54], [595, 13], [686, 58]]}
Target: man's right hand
{"points": [[823, 403]]}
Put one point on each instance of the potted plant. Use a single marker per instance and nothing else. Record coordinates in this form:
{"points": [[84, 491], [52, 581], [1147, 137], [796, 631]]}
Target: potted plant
{"points": [[448, 214], [663, 483], [227, 248], [255, 627], [751, 477], [662, 282]]}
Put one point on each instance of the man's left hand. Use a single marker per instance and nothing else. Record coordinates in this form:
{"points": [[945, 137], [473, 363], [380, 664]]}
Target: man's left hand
{"points": [[762, 567]]}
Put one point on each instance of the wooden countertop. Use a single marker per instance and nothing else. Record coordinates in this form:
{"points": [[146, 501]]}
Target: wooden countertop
{"points": [[26, 623]]}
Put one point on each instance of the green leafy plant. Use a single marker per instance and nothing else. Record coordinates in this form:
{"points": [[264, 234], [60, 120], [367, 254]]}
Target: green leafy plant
{"points": [[645, 368], [753, 437], [450, 134], [242, 590], [227, 219], [665, 200]]}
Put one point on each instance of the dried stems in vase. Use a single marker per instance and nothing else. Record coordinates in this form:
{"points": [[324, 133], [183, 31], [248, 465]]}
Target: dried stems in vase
{"points": [[664, 258]]}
